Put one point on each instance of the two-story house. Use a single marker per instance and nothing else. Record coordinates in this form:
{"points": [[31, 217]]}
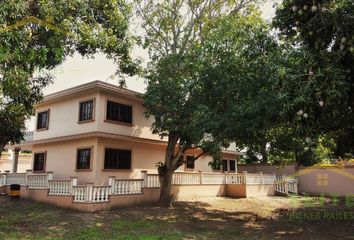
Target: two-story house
{"points": [[97, 130]]}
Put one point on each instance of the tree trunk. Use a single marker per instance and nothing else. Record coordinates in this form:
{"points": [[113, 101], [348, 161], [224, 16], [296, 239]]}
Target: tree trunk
{"points": [[168, 169], [263, 151], [165, 194], [2, 146]]}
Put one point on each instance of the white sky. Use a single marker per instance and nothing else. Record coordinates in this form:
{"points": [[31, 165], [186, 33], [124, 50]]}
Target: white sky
{"points": [[76, 70]]}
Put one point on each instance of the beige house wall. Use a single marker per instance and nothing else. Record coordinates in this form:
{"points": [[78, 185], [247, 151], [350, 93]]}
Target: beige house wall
{"points": [[327, 181], [61, 159], [64, 117], [141, 126], [23, 165]]}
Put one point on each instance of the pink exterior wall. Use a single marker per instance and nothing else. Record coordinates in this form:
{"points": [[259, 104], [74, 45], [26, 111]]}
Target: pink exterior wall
{"points": [[326, 180], [290, 169], [64, 116], [141, 127], [61, 159]]}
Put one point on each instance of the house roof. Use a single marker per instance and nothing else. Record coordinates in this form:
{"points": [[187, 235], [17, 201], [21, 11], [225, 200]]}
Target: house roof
{"points": [[93, 86]]}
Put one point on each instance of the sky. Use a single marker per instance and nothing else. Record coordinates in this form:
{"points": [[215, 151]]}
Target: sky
{"points": [[77, 70]]}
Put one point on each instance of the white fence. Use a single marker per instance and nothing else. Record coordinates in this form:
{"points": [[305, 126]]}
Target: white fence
{"points": [[152, 181], [100, 194], [235, 179], [180, 178], [39, 181], [60, 187], [126, 186], [91, 193], [2, 179], [212, 178], [16, 178], [286, 185]]}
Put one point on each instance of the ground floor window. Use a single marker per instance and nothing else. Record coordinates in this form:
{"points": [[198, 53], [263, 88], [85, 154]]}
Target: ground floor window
{"points": [[83, 159], [39, 162], [117, 159], [190, 162], [228, 165]]}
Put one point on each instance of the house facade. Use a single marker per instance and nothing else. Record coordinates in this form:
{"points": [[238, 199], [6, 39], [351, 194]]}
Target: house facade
{"points": [[97, 130]]}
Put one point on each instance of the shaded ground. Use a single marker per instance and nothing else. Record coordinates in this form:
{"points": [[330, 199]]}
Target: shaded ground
{"points": [[211, 218]]}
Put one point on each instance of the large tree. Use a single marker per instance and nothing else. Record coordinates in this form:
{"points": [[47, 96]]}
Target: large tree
{"points": [[243, 64], [318, 92], [174, 33], [38, 35]]}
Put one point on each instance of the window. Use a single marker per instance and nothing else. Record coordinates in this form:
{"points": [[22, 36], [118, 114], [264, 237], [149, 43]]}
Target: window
{"points": [[117, 159], [39, 162], [86, 110], [190, 162], [228, 165], [83, 158], [224, 165], [43, 119], [232, 165], [119, 112]]}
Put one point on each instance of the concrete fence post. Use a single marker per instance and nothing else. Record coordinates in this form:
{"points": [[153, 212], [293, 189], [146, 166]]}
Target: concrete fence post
{"points": [[49, 177], [89, 192], [244, 177], [144, 177], [261, 177], [111, 180], [5, 178], [73, 183], [28, 172], [200, 178]]}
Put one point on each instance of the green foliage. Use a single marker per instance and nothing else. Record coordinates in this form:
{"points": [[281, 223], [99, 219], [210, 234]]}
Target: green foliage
{"points": [[40, 34], [319, 86]]}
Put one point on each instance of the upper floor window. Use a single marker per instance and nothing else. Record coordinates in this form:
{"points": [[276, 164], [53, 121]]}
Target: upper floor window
{"points": [[119, 112], [86, 110], [43, 120], [83, 158], [190, 162], [117, 159], [39, 162]]}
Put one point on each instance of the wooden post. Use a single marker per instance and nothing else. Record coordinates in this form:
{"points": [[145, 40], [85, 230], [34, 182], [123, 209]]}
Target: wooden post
{"points": [[200, 178], [261, 177], [244, 177]]}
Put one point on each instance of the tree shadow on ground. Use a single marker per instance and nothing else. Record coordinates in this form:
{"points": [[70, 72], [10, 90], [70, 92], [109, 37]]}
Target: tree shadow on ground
{"points": [[185, 220]]}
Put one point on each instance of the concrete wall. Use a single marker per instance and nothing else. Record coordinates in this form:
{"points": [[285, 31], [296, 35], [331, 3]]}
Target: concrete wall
{"points": [[148, 196], [326, 180], [290, 169], [188, 192]]}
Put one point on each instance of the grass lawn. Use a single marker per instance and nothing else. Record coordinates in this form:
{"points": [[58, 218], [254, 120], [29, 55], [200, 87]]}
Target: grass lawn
{"points": [[208, 218]]}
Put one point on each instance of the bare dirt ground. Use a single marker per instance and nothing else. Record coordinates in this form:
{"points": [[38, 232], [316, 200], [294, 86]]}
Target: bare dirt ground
{"points": [[204, 218]]}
